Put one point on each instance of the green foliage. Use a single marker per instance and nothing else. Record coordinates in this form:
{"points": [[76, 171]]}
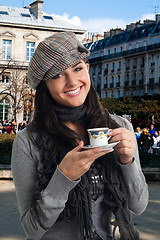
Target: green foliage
{"points": [[149, 160], [6, 141], [140, 108]]}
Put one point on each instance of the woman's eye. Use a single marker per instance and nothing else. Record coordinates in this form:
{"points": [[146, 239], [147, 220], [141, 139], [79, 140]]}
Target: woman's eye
{"points": [[78, 69], [57, 76]]}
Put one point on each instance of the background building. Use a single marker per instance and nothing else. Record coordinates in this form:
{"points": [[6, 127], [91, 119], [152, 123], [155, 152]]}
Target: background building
{"points": [[21, 29], [127, 62]]}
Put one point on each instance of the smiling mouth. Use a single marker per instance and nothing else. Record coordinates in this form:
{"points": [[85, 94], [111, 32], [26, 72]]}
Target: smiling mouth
{"points": [[74, 92]]}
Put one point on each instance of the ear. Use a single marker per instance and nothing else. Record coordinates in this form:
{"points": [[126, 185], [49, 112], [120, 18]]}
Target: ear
{"points": [[87, 65]]}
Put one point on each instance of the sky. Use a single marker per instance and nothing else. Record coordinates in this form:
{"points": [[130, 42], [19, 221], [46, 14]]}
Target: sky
{"points": [[96, 16]]}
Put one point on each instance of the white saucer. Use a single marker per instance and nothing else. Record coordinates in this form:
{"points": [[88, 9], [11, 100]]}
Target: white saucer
{"points": [[104, 147]]}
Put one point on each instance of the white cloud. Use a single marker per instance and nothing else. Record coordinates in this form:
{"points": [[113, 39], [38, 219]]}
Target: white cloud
{"points": [[74, 20], [150, 16], [96, 24], [101, 25]]}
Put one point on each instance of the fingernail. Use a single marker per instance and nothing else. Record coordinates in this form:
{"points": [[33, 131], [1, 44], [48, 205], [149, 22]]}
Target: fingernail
{"points": [[111, 150], [100, 150]]}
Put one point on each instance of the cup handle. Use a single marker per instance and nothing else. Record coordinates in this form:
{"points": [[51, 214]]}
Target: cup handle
{"points": [[109, 137]]}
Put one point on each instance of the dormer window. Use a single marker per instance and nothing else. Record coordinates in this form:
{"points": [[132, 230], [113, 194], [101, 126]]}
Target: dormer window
{"points": [[3, 13], [25, 15], [48, 17]]}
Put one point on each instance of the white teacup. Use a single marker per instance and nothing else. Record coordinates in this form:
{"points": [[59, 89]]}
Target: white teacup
{"points": [[98, 136]]}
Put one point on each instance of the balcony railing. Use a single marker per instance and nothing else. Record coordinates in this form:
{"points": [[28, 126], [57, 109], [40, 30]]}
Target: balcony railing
{"points": [[134, 67], [111, 85], [126, 53], [106, 85]]}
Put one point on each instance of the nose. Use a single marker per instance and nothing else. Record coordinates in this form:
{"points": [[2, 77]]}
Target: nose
{"points": [[70, 80]]}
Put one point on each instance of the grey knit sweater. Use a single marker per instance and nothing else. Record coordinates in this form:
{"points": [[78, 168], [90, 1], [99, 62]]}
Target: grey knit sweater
{"points": [[25, 169]]}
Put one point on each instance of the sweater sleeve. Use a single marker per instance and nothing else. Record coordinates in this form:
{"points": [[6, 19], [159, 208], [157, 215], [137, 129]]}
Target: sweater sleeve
{"points": [[37, 217], [135, 182]]}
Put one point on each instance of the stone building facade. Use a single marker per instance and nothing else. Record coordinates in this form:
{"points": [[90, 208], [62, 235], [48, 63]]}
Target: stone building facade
{"points": [[21, 29], [127, 62]]}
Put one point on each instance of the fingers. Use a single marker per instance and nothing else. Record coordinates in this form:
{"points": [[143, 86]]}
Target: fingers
{"points": [[94, 153], [127, 144], [120, 134]]}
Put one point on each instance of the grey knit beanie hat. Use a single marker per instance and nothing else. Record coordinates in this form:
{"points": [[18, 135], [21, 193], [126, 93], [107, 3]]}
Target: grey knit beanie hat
{"points": [[53, 55]]}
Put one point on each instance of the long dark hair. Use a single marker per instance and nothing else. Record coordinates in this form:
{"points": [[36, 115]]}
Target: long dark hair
{"points": [[54, 140]]}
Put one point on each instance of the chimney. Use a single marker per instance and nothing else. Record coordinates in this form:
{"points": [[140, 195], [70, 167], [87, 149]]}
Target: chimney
{"points": [[157, 18], [36, 8]]}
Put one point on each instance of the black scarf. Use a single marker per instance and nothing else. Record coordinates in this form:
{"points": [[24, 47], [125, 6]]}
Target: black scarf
{"points": [[73, 114]]}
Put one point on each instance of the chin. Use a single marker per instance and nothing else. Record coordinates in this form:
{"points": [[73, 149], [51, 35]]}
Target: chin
{"points": [[74, 104]]}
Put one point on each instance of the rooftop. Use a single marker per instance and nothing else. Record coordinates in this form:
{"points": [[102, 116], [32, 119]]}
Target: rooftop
{"points": [[25, 16], [144, 30]]}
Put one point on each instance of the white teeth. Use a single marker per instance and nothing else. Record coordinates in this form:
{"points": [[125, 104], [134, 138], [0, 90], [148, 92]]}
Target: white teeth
{"points": [[73, 92]]}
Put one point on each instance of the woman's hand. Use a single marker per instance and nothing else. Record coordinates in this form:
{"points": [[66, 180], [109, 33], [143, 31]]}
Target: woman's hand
{"points": [[77, 162], [127, 145]]}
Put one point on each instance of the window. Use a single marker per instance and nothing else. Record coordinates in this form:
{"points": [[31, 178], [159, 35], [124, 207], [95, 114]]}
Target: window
{"points": [[155, 41], [121, 49], [113, 66], [25, 15], [48, 17], [6, 49], [118, 94], [142, 92], [5, 77], [4, 109], [106, 83], [112, 80], [30, 50], [134, 93], [114, 50], [119, 66], [108, 53], [128, 64], [152, 74], [3, 13]]}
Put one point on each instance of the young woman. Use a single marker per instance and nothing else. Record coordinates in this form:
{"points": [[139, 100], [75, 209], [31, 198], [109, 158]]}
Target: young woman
{"points": [[63, 191]]}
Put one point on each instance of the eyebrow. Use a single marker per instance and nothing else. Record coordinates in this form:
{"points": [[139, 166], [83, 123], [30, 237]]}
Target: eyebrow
{"points": [[77, 64]]}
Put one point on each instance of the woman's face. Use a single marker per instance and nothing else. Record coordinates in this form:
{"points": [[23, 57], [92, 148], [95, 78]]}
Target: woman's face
{"points": [[70, 87]]}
